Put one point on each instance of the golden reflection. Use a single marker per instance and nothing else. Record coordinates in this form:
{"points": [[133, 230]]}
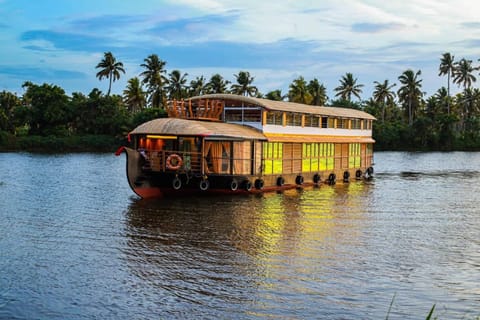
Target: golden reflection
{"points": [[302, 226]]}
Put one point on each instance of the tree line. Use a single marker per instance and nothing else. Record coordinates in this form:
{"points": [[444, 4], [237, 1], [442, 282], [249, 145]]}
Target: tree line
{"points": [[406, 118]]}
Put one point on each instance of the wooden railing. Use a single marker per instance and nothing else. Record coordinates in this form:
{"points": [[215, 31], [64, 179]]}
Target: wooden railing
{"points": [[203, 110]]}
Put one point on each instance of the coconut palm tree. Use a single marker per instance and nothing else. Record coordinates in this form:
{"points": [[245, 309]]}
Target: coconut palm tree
{"points": [[447, 66], [198, 86], [384, 95], [218, 84], [155, 79], [275, 95], [463, 74], [318, 92], [134, 96], [299, 92], [176, 87], [110, 68], [410, 92], [244, 85], [348, 86]]}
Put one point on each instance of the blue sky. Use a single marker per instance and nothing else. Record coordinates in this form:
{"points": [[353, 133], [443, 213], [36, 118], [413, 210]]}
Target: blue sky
{"points": [[61, 41]]}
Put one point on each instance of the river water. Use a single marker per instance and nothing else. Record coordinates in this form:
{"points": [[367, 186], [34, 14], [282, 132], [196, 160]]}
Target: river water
{"points": [[76, 243]]}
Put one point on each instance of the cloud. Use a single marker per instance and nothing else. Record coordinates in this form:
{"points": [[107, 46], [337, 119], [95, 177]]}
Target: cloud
{"points": [[366, 27], [67, 41], [40, 74], [471, 25], [107, 22], [194, 29]]}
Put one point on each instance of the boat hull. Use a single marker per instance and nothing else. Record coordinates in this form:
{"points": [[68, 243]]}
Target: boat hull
{"points": [[150, 184]]}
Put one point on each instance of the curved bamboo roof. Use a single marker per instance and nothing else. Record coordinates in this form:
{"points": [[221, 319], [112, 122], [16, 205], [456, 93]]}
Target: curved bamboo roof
{"points": [[289, 106], [208, 129]]}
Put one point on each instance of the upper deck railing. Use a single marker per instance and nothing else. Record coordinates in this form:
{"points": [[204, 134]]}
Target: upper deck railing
{"points": [[202, 110]]}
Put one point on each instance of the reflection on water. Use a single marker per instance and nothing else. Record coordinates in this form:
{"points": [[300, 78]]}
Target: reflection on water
{"points": [[75, 243]]}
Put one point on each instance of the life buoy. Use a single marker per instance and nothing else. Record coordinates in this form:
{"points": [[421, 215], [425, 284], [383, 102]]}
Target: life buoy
{"points": [[332, 178], [247, 185], [280, 181], [204, 184], [234, 185], [174, 162], [346, 176], [259, 184], [176, 183], [299, 180], [358, 174], [316, 178]]}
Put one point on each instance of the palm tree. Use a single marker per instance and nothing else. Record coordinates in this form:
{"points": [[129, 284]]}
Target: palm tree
{"points": [[198, 86], [410, 92], [443, 99], [384, 95], [275, 95], [134, 96], [348, 86], [299, 92], [318, 92], [177, 88], [447, 66], [463, 74], [217, 84], [110, 69], [244, 86], [155, 80]]}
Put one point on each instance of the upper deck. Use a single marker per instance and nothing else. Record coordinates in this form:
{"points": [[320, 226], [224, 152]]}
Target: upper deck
{"points": [[278, 120]]}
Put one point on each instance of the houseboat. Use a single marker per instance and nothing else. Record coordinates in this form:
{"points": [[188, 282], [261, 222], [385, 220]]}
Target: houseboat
{"points": [[224, 143]]}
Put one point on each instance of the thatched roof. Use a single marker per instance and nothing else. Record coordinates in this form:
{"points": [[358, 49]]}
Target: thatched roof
{"points": [[231, 99], [208, 129]]}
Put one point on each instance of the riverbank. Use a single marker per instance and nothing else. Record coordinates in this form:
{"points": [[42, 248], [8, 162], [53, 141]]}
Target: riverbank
{"points": [[73, 143]]}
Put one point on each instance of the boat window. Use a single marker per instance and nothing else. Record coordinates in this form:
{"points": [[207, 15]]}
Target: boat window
{"points": [[312, 121], [275, 118], [272, 157], [342, 123], [325, 122], [367, 124], [294, 119], [356, 124], [331, 122]]}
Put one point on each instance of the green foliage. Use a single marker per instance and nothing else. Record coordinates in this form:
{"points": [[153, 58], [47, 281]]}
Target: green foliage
{"points": [[147, 115], [405, 119]]}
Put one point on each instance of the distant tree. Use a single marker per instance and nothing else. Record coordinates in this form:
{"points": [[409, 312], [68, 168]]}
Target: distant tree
{"points": [[177, 88], [384, 95], [154, 78], [244, 85], [299, 91], [8, 103], [410, 93], [49, 109], [275, 95], [134, 96], [198, 86], [110, 68], [348, 86], [217, 84], [447, 66], [463, 74], [318, 92]]}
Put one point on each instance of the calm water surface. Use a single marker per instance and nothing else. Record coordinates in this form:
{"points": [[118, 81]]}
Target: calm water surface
{"points": [[75, 243]]}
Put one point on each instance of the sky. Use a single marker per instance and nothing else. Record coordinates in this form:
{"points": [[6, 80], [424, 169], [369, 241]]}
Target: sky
{"points": [[61, 41]]}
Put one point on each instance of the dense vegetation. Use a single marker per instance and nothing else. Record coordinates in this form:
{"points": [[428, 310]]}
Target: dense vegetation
{"points": [[46, 118]]}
